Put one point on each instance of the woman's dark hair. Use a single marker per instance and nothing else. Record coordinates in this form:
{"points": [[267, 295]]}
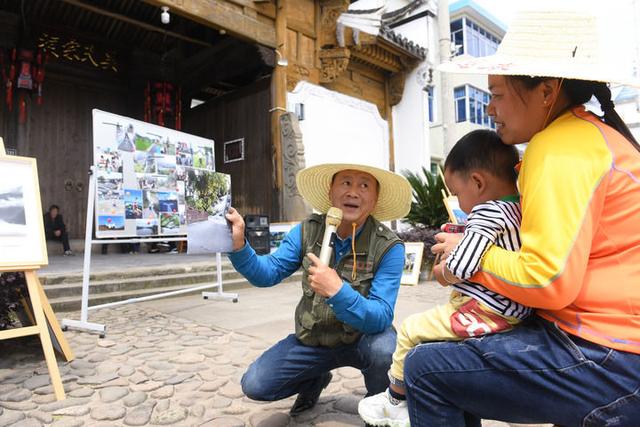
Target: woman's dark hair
{"points": [[483, 149], [54, 207], [580, 92]]}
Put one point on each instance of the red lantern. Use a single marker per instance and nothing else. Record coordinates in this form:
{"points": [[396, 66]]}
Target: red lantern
{"points": [[29, 78], [161, 94]]}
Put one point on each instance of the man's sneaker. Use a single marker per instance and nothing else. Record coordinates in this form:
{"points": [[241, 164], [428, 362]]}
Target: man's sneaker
{"points": [[309, 398], [68, 253], [377, 410]]}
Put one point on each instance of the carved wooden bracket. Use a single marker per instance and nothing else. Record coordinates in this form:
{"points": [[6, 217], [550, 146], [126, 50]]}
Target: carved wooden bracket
{"points": [[295, 73], [396, 87], [333, 62], [330, 11]]}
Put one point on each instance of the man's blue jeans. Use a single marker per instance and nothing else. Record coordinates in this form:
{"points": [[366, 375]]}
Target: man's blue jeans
{"points": [[535, 373], [290, 367]]}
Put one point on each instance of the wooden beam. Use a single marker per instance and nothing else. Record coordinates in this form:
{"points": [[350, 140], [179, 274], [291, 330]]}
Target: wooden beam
{"points": [[224, 15], [135, 22]]}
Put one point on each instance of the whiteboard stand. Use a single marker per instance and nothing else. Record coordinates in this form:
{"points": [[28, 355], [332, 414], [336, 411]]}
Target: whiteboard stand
{"points": [[83, 323], [220, 294]]}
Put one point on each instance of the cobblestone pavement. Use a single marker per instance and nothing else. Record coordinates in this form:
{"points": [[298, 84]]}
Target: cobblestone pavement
{"points": [[158, 368]]}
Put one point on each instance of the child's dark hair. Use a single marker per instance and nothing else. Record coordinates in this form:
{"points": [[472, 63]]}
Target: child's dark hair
{"points": [[483, 149]]}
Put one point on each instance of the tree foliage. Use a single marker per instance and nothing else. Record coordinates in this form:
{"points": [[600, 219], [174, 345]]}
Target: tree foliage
{"points": [[204, 189], [427, 207]]}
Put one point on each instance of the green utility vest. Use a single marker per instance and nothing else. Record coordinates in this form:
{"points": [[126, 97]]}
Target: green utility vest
{"points": [[316, 323]]}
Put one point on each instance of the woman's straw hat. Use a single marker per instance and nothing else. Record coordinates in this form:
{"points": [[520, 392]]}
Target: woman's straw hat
{"points": [[394, 197], [556, 42]]}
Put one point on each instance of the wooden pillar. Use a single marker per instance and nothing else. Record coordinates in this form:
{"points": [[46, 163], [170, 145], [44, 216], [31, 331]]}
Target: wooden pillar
{"points": [[389, 117], [279, 90]]}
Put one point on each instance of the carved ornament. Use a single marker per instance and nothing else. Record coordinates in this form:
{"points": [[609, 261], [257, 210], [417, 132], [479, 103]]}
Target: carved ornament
{"points": [[396, 87], [330, 11], [333, 62]]}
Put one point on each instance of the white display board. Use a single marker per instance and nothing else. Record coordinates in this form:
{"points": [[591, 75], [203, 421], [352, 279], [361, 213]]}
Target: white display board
{"points": [[142, 174]]}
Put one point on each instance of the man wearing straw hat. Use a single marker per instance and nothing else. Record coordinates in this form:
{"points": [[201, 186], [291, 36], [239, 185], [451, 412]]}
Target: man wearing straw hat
{"points": [[577, 361], [345, 313]]}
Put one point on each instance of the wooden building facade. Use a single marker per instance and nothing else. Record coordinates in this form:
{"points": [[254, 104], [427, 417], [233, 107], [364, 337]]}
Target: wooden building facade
{"points": [[238, 56]]}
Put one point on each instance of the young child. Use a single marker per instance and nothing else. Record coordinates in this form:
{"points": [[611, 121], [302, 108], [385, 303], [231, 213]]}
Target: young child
{"points": [[480, 170]]}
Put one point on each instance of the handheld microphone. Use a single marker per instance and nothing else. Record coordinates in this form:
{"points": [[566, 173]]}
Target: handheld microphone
{"points": [[334, 218]]}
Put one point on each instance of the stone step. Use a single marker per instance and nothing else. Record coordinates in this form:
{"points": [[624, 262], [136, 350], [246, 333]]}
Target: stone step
{"points": [[65, 302], [149, 281], [129, 273]]}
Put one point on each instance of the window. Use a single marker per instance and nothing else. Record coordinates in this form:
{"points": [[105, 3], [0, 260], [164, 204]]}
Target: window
{"points": [[234, 150], [475, 40], [430, 104], [460, 103], [434, 168], [457, 35], [471, 104]]}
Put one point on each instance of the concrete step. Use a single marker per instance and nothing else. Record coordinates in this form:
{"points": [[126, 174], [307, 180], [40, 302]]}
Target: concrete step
{"points": [[49, 279], [67, 296], [135, 283]]}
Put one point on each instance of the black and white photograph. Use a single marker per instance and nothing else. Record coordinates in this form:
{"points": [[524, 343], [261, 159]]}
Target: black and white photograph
{"points": [[109, 186], [12, 216]]}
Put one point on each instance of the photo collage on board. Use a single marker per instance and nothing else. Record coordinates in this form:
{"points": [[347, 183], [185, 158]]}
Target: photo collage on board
{"points": [[141, 173]]}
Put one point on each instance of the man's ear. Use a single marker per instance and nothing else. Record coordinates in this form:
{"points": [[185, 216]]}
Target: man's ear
{"points": [[479, 181]]}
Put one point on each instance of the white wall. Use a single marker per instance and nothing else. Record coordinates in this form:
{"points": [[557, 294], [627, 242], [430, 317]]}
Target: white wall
{"points": [[410, 115], [340, 129], [410, 127]]}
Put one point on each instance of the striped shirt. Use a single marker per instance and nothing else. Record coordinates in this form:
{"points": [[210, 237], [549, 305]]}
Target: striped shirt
{"points": [[493, 222]]}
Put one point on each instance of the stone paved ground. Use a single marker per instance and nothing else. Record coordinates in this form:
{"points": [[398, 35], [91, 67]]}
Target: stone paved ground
{"points": [[153, 369], [160, 367]]}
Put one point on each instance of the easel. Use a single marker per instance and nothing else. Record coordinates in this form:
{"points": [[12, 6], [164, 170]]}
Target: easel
{"points": [[42, 315], [84, 323]]}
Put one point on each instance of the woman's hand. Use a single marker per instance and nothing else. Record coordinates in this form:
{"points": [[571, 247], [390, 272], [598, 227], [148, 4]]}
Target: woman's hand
{"points": [[445, 243], [443, 275]]}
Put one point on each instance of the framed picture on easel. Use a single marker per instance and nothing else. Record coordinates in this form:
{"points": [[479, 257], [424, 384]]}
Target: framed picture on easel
{"points": [[412, 263], [22, 240]]}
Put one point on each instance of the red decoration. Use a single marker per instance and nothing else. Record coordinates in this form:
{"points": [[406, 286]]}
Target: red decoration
{"points": [[29, 79], [158, 104]]}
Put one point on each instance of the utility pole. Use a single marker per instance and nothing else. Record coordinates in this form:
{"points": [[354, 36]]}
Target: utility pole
{"points": [[446, 92]]}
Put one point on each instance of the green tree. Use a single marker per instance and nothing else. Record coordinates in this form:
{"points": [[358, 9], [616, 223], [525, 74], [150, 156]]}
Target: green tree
{"points": [[206, 188], [427, 207]]}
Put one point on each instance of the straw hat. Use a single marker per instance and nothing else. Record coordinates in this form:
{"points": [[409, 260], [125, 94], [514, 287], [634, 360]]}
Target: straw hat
{"points": [[394, 198], [555, 42]]}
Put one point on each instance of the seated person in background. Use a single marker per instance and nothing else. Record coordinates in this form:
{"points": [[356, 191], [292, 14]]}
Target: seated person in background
{"points": [[480, 170], [55, 229]]}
